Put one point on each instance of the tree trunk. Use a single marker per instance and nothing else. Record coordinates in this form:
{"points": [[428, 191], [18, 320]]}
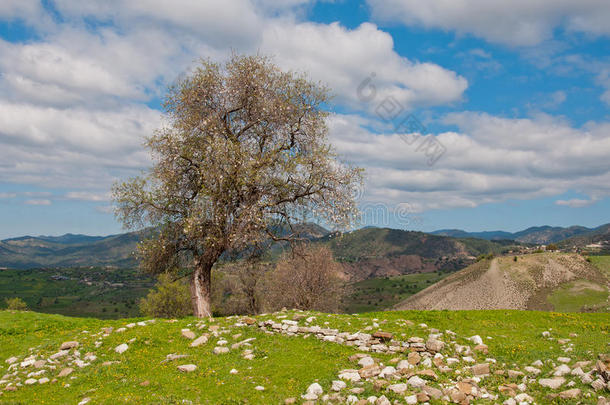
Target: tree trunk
{"points": [[200, 290]]}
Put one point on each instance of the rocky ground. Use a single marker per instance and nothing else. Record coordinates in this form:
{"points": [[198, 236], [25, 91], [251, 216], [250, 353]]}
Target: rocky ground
{"points": [[420, 365]]}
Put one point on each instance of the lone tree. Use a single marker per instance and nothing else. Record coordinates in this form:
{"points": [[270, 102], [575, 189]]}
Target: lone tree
{"points": [[242, 157]]}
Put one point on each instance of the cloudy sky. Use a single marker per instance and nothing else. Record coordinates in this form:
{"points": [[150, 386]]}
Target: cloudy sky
{"points": [[471, 114]]}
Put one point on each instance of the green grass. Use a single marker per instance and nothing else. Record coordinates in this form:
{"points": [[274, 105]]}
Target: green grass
{"points": [[377, 294], [602, 263], [575, 297], [92, 292], [284, 365]]}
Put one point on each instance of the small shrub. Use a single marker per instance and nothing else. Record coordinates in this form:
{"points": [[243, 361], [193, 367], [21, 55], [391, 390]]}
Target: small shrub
{"points": [[16, 304], [169, 299], [515, 259]]}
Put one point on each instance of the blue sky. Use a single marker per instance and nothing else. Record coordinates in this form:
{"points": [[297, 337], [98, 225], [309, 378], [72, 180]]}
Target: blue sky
{"points": [[512, 102]]}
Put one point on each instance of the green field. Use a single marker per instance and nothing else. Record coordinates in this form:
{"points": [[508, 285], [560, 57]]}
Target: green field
{"points": [[285, 366], [377, 294], [95, 292], [602, 263]]}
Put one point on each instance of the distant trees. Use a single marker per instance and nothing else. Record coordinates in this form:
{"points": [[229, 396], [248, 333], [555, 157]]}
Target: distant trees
{"points": [[16, 304], [244, 154], [551, 247], [169, 299]]}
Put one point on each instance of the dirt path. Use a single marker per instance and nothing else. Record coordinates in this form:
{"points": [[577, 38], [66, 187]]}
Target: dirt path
{"points": [[492, 289]]}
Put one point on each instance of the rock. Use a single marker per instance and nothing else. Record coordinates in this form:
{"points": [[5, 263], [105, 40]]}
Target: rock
{"points": [[546, 334], [532, 370], [366, 361], [422, 397], [411, 399], [413, 358], [428, 373], [187, 368], [233, 371], [11, 360], [416, 382], [512, 374], [480, 369], [65, 372], [398, 388], [43, 380], [248, 321], [121, 348], [403, 365], [220, 350], [39, 363], [466, 387], [338, 385], [68, 345], [598, 384], [259, 388], [476, 339], [523, 397], [481, 348], [433, 392], [203, 339], [564, 359], [570, 394], [538, 363], [145, 383], [30, 381], [350, 375], [385, 336], [369, 371], [561, 370], [27, 363], [188, 334], [310, 398], [552, 383], [388, 371], [315, 389], [382, 400], [435, 345], [84, 401], [290, 401]]}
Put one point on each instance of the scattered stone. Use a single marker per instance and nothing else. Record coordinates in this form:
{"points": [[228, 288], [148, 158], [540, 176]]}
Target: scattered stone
{"points": [[43, 380], [68, 345], [562, 370], [366, 361], [416, 382], [480, 369], [369, 371], [564, 359], [598, 384], [30, 381], [570, 394], [188, 334], [145, 383], [220, 350], [398, 388], [259, 388], [338, 385], [11, 360], [233, 371], [203, 339], [552, 383], [435, 345], [65, 372], [84, 401], [411, 399], [532, 370], [385, 336], [121, 348], [481, 348], [476, 339], [187, 368]]}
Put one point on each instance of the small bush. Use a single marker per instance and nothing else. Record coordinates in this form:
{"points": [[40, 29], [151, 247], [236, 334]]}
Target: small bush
{"points": [[515, 258], [16, 304], [169, 299]]}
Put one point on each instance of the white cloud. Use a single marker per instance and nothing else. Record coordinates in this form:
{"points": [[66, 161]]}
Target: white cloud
{"points": [[488, 159], [575, 202], [7, 195], [516, 22], [87, 196], [343, 58], [37, 202]]}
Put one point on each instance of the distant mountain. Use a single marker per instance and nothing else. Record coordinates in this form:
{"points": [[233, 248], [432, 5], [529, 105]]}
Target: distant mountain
{"points": [[535, 235], [601, 234]]}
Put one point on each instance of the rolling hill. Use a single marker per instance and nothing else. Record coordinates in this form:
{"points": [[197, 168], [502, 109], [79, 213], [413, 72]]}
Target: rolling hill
{"points": [[543, 281]]}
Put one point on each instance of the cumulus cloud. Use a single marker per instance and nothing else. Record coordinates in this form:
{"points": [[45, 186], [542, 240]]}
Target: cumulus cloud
{"points": [[487, 159], [515, 23]]}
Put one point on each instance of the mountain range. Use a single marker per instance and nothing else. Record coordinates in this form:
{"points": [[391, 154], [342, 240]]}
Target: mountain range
{"points": [[535, 235]]}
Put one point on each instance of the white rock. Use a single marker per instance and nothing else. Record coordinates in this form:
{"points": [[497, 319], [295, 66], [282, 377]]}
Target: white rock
{"points": [[510, 401], [561, 370], [387, 372], [187, 368], [259, 388], [315, 389], [403, 364], [382, 400], [351, 399], [220, 350], [11, 360], [532, 370], [27, 363], [553, 383], [371, 399], [523, 397], [564, 359], [411, 399], [84, 401], [309, 397], [121, 348], [537, 363], [233, 371], [30, 381], [476, 339], [366, 361], [546, 334], [352, 376], [398, 388], [130, 325], [43, 380], [338, 385], [416, 382]]}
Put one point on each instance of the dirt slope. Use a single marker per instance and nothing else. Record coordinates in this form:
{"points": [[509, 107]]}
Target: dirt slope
{"points": [[503, 283]]}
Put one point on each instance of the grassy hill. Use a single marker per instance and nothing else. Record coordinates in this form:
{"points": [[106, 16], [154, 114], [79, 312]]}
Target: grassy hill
{"points": [[543, 281], [285, 366]]}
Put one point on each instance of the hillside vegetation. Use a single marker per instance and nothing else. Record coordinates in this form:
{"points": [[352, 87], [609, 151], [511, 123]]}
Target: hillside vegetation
{"points": [[247, 360], [543, 281]]}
